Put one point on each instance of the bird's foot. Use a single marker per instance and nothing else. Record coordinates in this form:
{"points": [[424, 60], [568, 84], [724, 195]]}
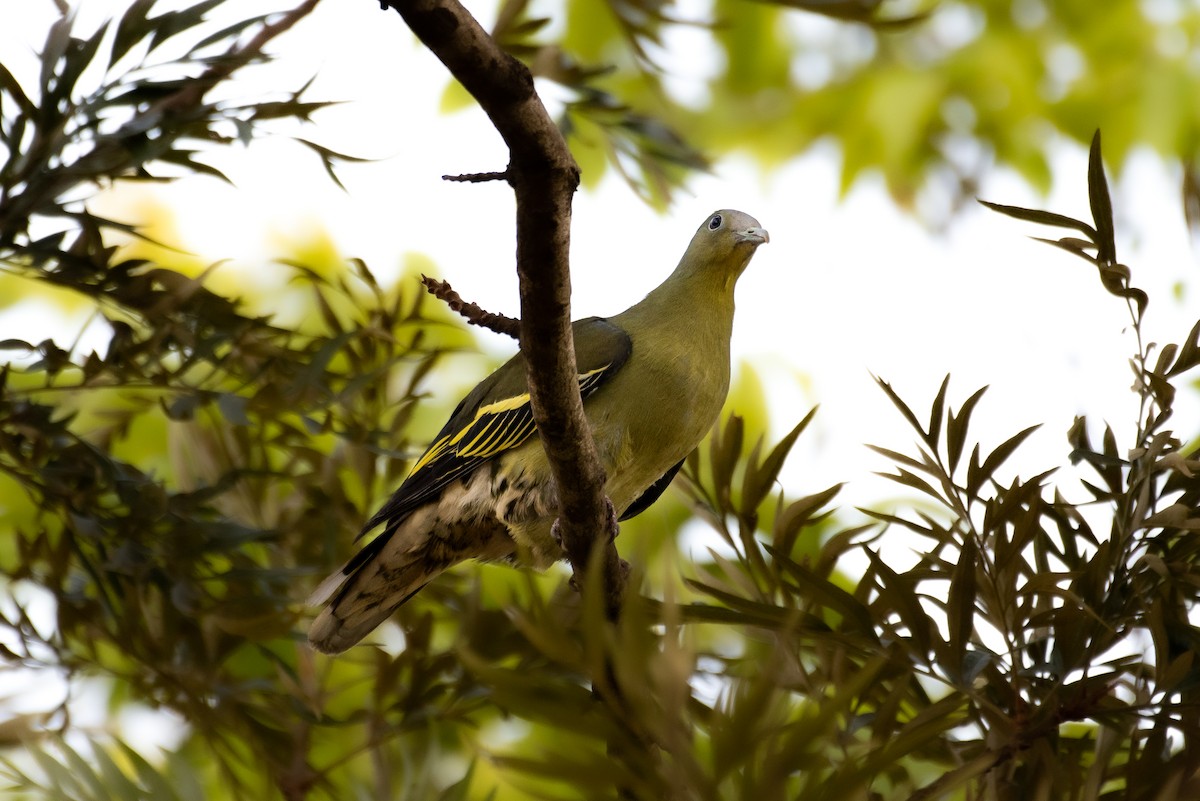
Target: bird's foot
{"points": [[622, 565], [612, 525]]}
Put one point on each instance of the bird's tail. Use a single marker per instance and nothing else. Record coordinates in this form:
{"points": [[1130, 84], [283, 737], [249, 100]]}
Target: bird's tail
{"points": [[364, 593]]}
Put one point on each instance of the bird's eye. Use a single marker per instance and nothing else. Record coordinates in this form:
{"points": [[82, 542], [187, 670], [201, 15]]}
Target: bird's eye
{"points": [[715, 222]]}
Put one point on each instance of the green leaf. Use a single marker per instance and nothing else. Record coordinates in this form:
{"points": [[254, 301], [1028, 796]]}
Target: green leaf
{"points": [[797, 514], [856, 618], [760, 477], [233, 408]]}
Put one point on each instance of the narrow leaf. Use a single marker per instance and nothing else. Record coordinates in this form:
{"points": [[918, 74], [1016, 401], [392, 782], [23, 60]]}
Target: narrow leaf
{"points": [[9, 83], [936, 413], [1102, 212], [997, 458], [956, 428], [960, 606], [1189, 353], [901, 405], [1042, 217]]}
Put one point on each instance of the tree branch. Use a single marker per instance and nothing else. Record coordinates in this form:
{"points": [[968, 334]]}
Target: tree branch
{"points": [[473, 313], [544, 178]]}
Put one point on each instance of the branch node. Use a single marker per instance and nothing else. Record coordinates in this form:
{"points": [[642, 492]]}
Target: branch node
{"points": [[471, 312]]}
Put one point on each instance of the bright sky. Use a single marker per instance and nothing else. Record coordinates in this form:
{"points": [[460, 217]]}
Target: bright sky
{"points": [[846, 288]]}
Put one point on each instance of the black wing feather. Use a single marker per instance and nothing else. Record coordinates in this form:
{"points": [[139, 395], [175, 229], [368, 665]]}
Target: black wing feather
{"points": [[652, 493], [496, 417]]}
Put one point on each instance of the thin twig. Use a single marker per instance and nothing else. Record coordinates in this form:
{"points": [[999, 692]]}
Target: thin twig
{"points": [[472, 312], [477, 177]]}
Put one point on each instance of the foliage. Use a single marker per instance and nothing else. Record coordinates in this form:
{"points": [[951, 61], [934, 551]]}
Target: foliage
{"points": [[931, 94], [172, 498]]}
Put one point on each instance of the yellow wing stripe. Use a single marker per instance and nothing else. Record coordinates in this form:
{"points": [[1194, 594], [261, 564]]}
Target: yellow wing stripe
{"points": [[505, 437], [436, 450], [506, 405], [498, 431]]}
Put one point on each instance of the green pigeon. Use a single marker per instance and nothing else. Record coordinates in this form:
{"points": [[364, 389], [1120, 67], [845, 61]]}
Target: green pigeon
{"points": [[653, 380]]}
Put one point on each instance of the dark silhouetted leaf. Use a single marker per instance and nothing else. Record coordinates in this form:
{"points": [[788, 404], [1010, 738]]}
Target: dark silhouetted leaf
{"points": [[1043, 217]]}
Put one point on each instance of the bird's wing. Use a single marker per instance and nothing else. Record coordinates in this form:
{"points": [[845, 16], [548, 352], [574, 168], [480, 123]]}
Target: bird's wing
{"points": [[496, 417], [651, 493]]}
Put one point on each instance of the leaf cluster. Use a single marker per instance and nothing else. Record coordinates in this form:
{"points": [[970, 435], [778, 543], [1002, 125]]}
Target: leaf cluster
{"points": [[174, 495], [610, 60], [128, 101]]}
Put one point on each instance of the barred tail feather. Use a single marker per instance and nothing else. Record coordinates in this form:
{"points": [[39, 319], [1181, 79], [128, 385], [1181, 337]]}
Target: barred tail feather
{"points": [[383, 575], [353, 616]]}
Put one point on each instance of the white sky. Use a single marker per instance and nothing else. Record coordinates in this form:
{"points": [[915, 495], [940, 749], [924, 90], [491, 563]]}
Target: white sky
{"points": [[844, 289]]}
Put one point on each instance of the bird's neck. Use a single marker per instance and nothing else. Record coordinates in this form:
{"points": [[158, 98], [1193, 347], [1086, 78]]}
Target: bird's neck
{"points": [[694, 304]]}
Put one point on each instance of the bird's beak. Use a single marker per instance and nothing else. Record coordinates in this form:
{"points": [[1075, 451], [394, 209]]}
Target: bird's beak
{"points": [[755, 236]]}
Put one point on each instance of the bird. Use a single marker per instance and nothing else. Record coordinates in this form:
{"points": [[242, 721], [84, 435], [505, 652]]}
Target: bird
{"points": [[653, 381]]}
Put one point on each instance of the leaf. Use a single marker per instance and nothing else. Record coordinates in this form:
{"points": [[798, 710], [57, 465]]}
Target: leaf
{"points": [[905, 459], [759, 477], [1102, 212], [227, 32], [131, 29], [233, 408], [956, 428], [960, 605], [724, 449], [77, 58], [904, 477], [896, 595], [13, 87], [329, 157], [759, 613], [1072, 246], [57, 41], [797, 514], [901, 405], [1042, 217], [459, 791], [855, 617], [1189, 353], [936, 413], [976, 476], [173, 23]]}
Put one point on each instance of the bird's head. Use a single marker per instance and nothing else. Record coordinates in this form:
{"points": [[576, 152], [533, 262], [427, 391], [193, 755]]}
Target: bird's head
{"points": [[726, 240]]}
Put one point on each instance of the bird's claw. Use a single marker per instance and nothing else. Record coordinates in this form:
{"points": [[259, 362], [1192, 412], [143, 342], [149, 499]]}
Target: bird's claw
{"points": [[622, 565], [611, 524]]}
